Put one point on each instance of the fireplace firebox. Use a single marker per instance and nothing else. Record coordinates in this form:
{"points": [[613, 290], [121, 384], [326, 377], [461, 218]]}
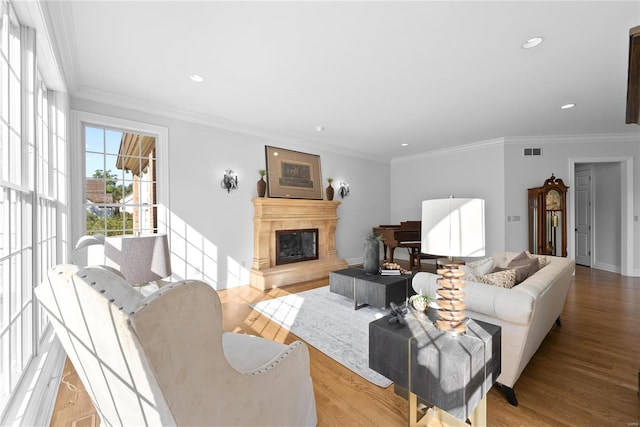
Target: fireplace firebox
{"points": [[296, 245]]}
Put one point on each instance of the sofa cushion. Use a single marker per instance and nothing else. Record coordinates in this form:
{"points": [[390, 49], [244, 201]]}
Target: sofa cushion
{"points": [[542, 259], [524, 267], [482, 266], [503, 279]]}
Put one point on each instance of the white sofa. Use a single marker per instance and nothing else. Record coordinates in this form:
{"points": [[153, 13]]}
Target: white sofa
{"points": [[525, 312]]}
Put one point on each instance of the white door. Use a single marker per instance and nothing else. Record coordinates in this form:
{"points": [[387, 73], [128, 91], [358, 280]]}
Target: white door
{"points": [[583, 216]]}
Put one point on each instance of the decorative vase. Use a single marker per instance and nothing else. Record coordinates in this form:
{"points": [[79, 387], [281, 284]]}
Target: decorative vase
{"points": [[262, 187], [330, 192], [371, 255]]}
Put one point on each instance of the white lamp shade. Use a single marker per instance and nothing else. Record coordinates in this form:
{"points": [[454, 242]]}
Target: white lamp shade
{"points": [[453, 227]]}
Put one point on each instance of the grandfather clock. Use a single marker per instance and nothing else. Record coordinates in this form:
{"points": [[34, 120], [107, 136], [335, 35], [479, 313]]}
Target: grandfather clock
{"points": [[548, 218]]}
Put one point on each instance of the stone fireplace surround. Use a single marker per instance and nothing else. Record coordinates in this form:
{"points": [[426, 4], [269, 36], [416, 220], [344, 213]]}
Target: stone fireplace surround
{"points": [[273, 214]]}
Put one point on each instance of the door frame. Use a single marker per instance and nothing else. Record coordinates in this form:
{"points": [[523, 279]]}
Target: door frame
{"points": [[626, 209]]}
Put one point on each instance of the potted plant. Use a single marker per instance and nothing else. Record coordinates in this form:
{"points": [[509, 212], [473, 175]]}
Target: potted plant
{"points": [[420, 301], [262, 185], [330, 190]]}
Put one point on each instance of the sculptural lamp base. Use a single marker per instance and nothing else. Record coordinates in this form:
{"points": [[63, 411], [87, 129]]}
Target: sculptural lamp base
{"points": [[451, 300]]}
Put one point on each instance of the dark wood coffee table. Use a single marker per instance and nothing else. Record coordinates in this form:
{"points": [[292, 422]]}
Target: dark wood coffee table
{"points": [[371, 289]]}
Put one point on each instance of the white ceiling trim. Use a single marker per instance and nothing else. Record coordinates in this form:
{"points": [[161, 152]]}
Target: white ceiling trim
{"points": [[452, 150], [31, 15], [575, 139], [136, 104], [63, 39]]}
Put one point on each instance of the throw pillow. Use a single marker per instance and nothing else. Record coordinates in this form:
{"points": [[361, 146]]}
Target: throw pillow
{"points": [[524, 266], [482, 266], [542, 259], [503, 279]]}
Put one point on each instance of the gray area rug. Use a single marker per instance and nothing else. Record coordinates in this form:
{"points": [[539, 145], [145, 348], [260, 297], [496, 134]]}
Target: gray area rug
{"points": [[328, 322]]}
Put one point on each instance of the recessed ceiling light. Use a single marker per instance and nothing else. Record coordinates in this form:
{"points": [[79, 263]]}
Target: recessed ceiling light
{"points": [[532, 42], [196, 78], [567, 106], [320, 128], [404, 144]]}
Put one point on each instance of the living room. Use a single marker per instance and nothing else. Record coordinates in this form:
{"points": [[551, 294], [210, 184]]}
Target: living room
{"points": [[388, 181]]}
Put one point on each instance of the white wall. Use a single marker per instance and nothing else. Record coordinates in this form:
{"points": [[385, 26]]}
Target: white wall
{"points": [[213, 229], [558, 153], [499, 172], [475, 170]]}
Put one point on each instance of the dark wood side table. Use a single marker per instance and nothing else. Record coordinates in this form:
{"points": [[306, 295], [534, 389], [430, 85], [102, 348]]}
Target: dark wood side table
{"points": [[452, 373]]}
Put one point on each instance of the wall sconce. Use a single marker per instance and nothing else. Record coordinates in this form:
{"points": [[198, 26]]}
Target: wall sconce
{"points": [[229, 181], [343, 190]]}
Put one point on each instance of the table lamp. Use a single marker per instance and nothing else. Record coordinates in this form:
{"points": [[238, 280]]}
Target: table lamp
{"points": [[453, 228]]}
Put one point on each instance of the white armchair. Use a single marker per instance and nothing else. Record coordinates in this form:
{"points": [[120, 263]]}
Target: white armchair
{"points": [[165, 360]]}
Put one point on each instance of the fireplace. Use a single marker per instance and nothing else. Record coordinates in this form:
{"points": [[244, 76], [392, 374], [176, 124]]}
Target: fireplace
{"points": [[296, 245], [278, 215]]}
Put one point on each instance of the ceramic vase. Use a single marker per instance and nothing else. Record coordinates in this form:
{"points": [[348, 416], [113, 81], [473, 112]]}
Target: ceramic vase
{"points": [[330, 192], [262, 187], [371, 255]]}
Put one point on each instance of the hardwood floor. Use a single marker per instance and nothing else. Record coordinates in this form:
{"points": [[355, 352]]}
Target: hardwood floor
{"points": [[585, 373]]}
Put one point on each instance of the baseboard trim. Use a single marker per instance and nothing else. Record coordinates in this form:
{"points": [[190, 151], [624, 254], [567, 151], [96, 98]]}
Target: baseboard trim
{"points": [[606, 267]]}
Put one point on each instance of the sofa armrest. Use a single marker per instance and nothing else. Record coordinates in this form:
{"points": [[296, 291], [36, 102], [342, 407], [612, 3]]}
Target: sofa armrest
{"points": [[509, 305]]}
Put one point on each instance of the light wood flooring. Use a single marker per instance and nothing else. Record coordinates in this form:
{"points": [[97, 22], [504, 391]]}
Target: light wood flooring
{"points": [[585, 373]]}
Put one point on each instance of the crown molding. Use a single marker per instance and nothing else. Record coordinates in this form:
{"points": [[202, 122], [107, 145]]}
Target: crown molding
{"points": [[63, 40], [136, 104], [575, 139], [452, 150]]}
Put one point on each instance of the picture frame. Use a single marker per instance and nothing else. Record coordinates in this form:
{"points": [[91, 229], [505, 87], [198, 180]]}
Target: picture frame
{"points": [[292, 174]]}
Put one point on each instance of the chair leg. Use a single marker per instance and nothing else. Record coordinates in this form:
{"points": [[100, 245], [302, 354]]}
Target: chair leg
{"points": [[558, 321], [509, 394]]}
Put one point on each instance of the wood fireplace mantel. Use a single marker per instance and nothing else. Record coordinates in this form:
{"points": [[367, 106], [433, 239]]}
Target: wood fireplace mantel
{"points": [[272, 214]]}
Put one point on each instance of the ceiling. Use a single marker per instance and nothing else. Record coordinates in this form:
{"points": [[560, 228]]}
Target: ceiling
{"points": [[374, 75]]}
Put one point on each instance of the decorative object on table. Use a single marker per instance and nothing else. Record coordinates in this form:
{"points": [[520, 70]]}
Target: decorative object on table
{"points": [[420, 301], [548, 218], [371, 254], [293, 175], [454, 227], [330, 190], [392, 269], [343, 189], [397, 314], [229, 181], [262, 185]]}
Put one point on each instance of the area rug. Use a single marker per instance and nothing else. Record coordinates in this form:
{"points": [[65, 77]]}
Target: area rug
{"points": [[328, 322]]}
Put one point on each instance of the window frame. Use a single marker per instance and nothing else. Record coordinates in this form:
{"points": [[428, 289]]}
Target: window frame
{"points": [[79, 120]]}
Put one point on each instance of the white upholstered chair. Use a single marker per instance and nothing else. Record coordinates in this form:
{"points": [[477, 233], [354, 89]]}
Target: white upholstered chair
{"points": [[165, 360]]}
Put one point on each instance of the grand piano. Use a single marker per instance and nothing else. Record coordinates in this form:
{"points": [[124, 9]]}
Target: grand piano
{"points": [[407, 234]]}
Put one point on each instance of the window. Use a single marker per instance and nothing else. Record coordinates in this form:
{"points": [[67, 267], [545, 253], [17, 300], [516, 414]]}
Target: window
{"points": [[30, 146], [120, 182]]}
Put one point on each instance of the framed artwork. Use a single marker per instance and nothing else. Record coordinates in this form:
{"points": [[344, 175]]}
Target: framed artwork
{"points": [[292, 174]]}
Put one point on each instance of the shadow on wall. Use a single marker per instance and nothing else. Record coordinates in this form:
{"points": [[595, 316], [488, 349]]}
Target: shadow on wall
{"points": [[193, 256]]}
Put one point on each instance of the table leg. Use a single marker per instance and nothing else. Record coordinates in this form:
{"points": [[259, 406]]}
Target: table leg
{"points": [[414, 421], [478, 417]]}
